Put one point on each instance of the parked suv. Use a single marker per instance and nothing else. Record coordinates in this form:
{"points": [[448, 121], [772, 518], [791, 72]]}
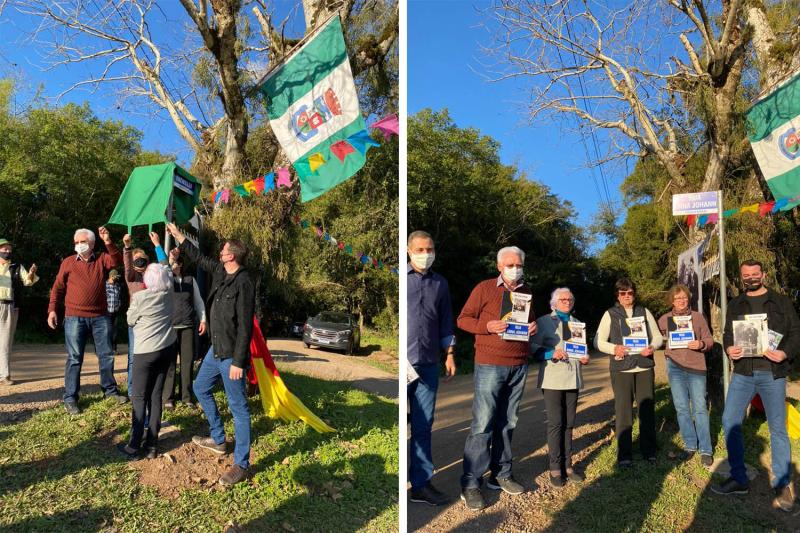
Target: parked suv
{"points": [[331, 329]]}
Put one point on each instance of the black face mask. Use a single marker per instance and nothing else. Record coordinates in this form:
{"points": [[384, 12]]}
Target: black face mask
{"points": [[140, 262], [5, 255], [751, 285]]}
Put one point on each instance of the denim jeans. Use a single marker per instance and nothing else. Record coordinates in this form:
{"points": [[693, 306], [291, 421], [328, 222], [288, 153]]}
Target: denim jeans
{"points": [[422, 402], [210, 372], [773, 395], [130, 360], [498, 391], [76, 331], [689, 397]]}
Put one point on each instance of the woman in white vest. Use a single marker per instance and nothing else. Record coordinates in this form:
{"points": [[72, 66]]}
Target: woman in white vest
{"points": [[560, 380]]}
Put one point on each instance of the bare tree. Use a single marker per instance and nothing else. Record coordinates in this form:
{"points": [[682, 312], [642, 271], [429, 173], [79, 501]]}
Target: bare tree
{"points": [[222, 55], [635, 72]]}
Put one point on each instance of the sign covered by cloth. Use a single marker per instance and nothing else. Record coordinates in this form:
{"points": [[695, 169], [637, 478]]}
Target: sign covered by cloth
{"points": [[312, 105], [774, 133], [145, 199]]}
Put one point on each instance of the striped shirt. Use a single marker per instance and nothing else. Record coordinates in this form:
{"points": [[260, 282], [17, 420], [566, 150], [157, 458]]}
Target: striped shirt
{"points": [[113, 291]]}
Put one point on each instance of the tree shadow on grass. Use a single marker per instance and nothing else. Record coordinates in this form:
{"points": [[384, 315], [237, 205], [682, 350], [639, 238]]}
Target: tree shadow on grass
{"points": [[81, 519], [621, 500], [341, 496]]}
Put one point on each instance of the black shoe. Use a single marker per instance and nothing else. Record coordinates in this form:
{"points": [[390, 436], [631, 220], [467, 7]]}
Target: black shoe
{"points": [[473, 499], [575, 476], [131, 454], [706, 460], [730, 486], [685, 455], [234, 475], [506, 484], [429, 494], [556, 481], [72, 408]]}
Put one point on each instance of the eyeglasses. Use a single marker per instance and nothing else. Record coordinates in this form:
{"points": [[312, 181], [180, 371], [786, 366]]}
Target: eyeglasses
{"points": [[566, 300], [625, 293], [680, 298]]}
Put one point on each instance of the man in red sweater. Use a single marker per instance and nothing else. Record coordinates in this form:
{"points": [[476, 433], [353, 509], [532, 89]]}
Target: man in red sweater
{"points": [[81, 287], [501, 367]]}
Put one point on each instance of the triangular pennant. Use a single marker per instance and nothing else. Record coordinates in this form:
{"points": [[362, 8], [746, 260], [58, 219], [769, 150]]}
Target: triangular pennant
{"points": [[729, 213], [340, 244], [374, 262], [249, 186], [348, 249], [315, 161], [341, 149], [389, 125], [713, 218], [326, 236], [304, 224], [780, 204], [259, 183], [765, 208], [283, 178], [364, 259], [749, 209], [226, 196], [361, 141], [702, 221], [269, 181], [690, 220], [318, 230], [240, 190], [296, 219], [333, 241], [217, 197]]}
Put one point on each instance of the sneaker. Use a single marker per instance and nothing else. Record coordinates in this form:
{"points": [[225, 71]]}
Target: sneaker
{"points": [[169, 405], [685, 455], [190, 405], [784, 499], [131, 454], [6, 382], [209, 444], [119, 398], [575, 476], [473, 499], [706, 460], [429, 494], [151, 453], [72, 408], [234, 475], [730, 486], [556, 481], [506, 484]]}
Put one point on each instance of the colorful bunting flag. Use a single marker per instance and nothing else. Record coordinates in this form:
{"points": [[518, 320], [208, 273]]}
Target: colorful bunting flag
{"points": [[361, 141], [765, 208], [388, 126], [341, 149], [249, 187], [269, 181], [226, 196], [283, 178], [315, 161]]}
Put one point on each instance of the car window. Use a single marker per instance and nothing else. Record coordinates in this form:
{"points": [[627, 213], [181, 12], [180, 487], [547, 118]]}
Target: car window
{"points": [[333, 317]]}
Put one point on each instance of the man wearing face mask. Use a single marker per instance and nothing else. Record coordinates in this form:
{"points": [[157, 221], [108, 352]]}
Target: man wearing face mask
{"points": [[135, 263], [230, 306], [80, 286], [13, 277], [765, 376], [501, 367], [430, 330]]}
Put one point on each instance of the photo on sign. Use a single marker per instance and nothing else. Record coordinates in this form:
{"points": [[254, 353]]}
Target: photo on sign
{"points": [[690, 273], [636, 327], [577, 332], [750, 336]]}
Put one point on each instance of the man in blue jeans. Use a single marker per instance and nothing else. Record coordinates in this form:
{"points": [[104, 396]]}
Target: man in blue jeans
{"points": [[80, 286], [430, 330], [501, 368], [764, 375], [230, 306]]}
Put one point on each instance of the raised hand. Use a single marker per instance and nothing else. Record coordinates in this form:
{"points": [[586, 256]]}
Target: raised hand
{"points": [[126, 240], [32, 270], [174, 253], [155, 239], [173, 229], [104, 234]]}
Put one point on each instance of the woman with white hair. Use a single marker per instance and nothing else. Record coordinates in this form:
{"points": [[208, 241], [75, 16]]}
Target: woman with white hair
{"points": [[560, 380], [150, 316]]}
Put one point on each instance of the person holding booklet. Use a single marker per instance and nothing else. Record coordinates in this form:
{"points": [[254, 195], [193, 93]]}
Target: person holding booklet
{"points": [[629, 334], [560, 345], [688, 338], [762, 373]]}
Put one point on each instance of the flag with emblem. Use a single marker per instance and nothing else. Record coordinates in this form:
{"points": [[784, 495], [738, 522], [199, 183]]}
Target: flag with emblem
{"points": [[312, 105]]}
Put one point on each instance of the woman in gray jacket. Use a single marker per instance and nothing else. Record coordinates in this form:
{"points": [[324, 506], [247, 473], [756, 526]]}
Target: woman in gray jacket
{"points": [[560, 380], [150, 316]]}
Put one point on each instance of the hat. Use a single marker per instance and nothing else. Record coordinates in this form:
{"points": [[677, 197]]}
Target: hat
{"points": [[113, 274], [4, 241]]}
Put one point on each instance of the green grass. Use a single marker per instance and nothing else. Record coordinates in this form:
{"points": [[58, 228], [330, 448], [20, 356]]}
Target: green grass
{"points": [[62, 474], [380, 341], [670, 496]]}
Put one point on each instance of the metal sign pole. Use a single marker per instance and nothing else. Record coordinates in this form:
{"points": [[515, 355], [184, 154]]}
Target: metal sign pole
{"points": [[167, 234], [723, 292]]}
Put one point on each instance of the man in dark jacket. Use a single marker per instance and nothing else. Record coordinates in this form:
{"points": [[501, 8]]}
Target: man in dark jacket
{"points": [[764, 375], [230, 305]]}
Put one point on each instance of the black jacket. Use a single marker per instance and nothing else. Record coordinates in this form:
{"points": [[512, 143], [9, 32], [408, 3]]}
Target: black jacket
{"points": [[230, 305], [781, 317]]}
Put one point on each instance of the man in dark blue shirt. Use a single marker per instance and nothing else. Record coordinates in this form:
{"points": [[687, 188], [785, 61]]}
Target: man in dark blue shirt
{"points": [[430, 331]]}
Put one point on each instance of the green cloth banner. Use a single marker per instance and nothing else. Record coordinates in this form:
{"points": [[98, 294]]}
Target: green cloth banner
{"points": [[145, 199]]}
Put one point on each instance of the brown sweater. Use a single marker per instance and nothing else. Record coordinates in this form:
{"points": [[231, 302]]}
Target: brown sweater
{"points": [[482, 307], [692, 360], [81, 285], [134, 280]]}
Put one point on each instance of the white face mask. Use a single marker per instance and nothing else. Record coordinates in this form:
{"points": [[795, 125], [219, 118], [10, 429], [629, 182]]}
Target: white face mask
{"points": [[422, 261], [512, 273], [82, 248]]}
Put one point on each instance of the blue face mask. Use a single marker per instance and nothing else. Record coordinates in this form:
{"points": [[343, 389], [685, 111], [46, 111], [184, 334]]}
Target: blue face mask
{"points": [[564, 317]]}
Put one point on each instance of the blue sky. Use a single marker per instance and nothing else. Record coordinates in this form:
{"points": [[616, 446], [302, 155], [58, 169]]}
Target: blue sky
{"points": [[25, 62], [444, 58]]}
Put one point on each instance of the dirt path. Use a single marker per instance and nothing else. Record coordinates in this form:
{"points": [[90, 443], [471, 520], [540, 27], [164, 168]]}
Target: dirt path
{"points": [[535, 510], [39, 373]]}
